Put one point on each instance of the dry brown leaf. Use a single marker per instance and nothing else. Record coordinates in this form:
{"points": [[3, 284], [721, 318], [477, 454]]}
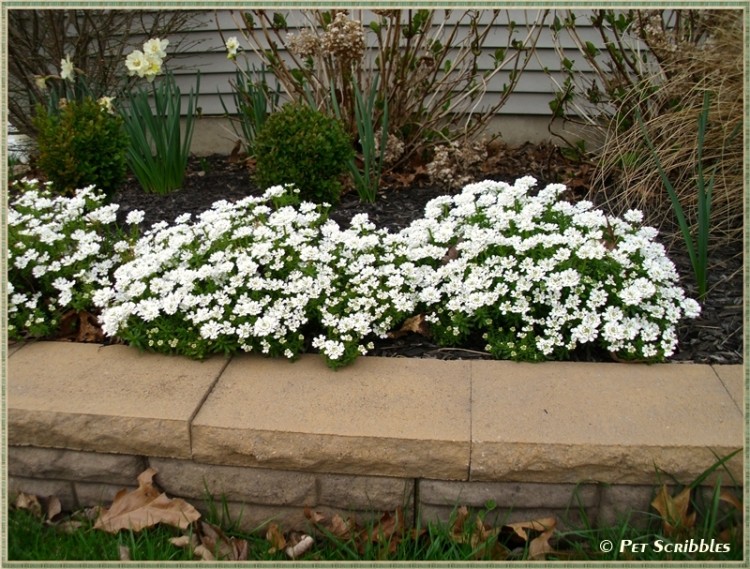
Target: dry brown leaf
{"points": [[237, 154], [731, 499], [389, 526], [416, 324], [451, 255], [29, 502], [276, 538], [145, 507], [539, 547], [203, 553], [390, 529], [314, 517], [185, 541], [220, 545], [124, 553], [458, 525], [542, 524], [89, 329], [54, 507], [92, 513], [69, 526], [341, 528], [674, 510]]}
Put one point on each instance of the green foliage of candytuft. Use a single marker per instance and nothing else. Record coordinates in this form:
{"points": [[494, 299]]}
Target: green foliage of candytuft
{"points": [[301, 146], [81, 144]]}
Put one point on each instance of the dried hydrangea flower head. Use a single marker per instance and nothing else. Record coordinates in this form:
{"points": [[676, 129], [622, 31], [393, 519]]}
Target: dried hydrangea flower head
{"points": [[344, 39], [304, 44]]}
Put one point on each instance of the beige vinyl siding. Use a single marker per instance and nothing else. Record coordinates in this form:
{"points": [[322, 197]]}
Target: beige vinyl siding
{"points": [[206, 52]]}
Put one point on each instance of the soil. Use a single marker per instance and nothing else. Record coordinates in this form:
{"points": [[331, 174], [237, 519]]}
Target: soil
{"points": [[715, 337]]}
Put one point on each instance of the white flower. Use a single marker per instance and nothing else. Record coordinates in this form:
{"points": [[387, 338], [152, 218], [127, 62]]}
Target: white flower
{"points": [[137, 63], [232, 45], [106, 104], [135, 217], [143, 64], [67, 69], [156, 47]]}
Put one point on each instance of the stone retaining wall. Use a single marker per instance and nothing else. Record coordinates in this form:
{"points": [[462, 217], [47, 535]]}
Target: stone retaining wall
{"points": [[271, 437], [255, 496]]}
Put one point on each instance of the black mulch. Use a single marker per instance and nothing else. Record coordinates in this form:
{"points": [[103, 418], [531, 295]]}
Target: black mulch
{"points": [[715, 337]]}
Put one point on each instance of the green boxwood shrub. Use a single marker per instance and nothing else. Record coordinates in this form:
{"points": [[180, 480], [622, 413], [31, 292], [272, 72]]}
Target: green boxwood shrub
{"points": [[302, 146], [81, 144]]}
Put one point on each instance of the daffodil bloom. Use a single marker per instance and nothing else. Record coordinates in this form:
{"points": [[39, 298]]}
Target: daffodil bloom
{"points": [[67, 69], [106, 104], [156, 48], [233, 45], [137, 63]]}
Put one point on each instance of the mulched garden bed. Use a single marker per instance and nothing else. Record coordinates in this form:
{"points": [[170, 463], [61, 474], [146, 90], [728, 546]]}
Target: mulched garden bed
{"points": [[715, 337]]}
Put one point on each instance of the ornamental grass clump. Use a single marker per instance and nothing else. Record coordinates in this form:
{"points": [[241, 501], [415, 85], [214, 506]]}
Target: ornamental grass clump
{"points": [[538, 277], [60, 251]]}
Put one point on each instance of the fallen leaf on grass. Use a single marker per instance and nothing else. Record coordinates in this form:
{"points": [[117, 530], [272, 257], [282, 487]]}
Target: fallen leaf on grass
{"points": [[29, 502], [276, 538], [314, 517], [390, 530], [209, 543], [124, 553], [54, 507], [222, 546], [543, 525], [342, 529], [731, 499], [190, 541], [674, 511], [539, 547], [145, 507]]}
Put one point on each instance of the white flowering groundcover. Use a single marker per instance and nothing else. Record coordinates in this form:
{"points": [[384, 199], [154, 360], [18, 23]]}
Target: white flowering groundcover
{"points": [[534, 275]]}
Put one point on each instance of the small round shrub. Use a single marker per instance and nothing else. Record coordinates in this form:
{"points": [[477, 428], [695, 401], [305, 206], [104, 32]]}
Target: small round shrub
{"points": [[301, 146], [81, 144]]}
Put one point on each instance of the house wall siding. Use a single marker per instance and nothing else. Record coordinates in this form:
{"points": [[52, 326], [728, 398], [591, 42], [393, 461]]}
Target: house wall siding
{"points": [[535, 89]]}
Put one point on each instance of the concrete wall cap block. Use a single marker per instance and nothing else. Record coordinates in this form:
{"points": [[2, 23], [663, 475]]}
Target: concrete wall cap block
{"points": [[557, 464], [109, 399], [733, 378], [555, 421], [380, 416]]}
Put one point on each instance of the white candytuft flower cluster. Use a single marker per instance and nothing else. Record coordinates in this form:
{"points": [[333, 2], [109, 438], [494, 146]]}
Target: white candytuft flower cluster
{"points": [[535, 276], [538, 277], [60, 249]]}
